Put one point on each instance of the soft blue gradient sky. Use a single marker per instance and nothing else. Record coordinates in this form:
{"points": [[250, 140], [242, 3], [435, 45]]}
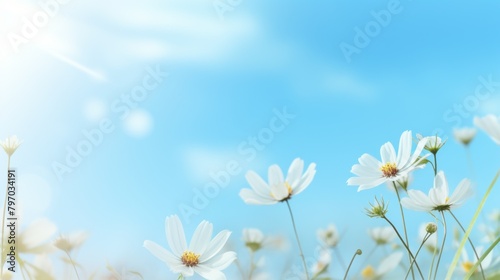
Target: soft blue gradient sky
{"points": [[225, 79]]}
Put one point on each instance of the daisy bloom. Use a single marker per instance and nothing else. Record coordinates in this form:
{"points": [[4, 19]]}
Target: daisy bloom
{"points": [[253, 238], [382, 235], [489, 264], [392, 167], [322, 263], [386, 265], [278, 189], [329, 237], [10, 144], [434, 143], [438, 198], [68, 243], [203, 256], [491, 125], [464, 135]]}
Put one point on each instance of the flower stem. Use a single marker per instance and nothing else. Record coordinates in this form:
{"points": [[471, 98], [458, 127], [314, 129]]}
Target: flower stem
{"points": [[416, 254], [73, 264], [358, 252], [442, 245], [470, 242], [3, 217], [339, 257], [252, 265], [298, 240], [405, 231], [435, 164], [406, 246]]}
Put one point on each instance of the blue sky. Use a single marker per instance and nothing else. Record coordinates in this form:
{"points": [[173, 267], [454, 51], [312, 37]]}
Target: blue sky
{"points": [[204, 84]]}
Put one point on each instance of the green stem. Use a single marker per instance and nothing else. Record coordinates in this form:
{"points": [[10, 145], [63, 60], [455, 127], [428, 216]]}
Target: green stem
{"points": [[298, 240], [252, 265], [358, 252], [435, 164], [404, 227], [73, 264], [486, 253], [339, 257], [470, 242], [442, 245], [416, 254], [435, 251], [469, 229], [406, 246], [3, 217]]}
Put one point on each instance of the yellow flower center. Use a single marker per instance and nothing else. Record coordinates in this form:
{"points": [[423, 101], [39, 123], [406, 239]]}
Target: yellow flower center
{"points": [[467, 266], [190, 259], [289, 188], [389, 169], [368, 272]]}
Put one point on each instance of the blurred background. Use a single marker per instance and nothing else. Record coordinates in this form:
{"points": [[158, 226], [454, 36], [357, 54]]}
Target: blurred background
{"points": [[129, 110]]}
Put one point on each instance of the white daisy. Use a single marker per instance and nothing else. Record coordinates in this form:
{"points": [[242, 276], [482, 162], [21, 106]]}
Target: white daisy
{"points": [[489, 264], [328, 237], [382, 235], [434, 143], [464, 135], [68, 243], [491, 125], [10, 144], [321, 265], [278, 189], [203, 254], [387, 265], [438, 198], [372, 172]]}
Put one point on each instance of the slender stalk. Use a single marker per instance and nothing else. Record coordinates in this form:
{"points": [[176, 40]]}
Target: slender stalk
{"points": [[368, 256], [435, 164], [406, 246], [339, 256], [442, 245], [469, 228], [470, 242], [404, 227], [3, 217], [252, 265], [298, 240], [240, 269], [73, 264], [433, 260], [416, 254], [358, 252]]}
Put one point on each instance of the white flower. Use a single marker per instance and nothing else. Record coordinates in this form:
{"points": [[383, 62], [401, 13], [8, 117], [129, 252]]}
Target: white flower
{"points": [[488, 264], [491, 125], [329, 237], [203, 254], [322, 263], [434, 143], [432, 241], [68, 243], [372, 172], [278, 189], [464, 135], [386, 265], [253, 238], [34, 239], [382, 235], [10, 144], [438, 198]]}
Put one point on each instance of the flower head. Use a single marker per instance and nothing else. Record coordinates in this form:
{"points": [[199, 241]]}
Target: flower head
{"points": [[386, 265], [431, 243], [392, 167], [278, 189], [253, 239], [464, 135], [434, 143], [438, 198], [203, 254], [382, 235], [491, 125], [10, 144], [329, 237], [68, 243], [378, 209]]}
